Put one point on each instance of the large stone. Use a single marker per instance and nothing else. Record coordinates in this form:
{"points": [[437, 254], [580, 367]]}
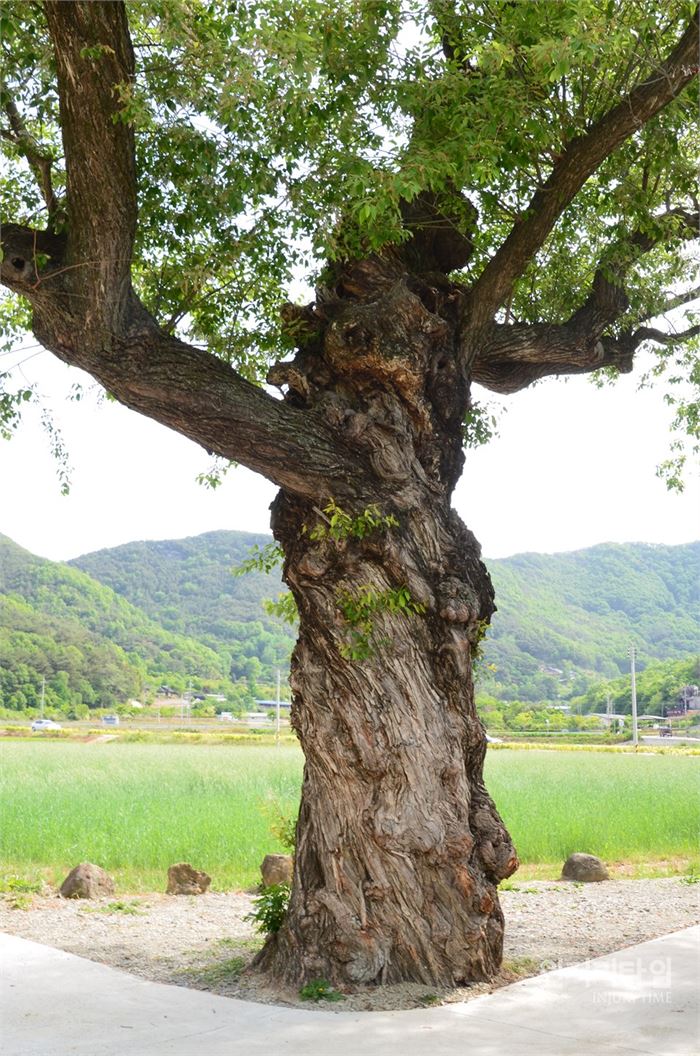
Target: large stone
{"points": [[585, 868], [277, 869], [184, 880], [87, 881]]}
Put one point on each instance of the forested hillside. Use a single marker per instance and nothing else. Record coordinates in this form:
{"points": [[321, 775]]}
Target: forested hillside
{"points": [[580, 611], [575, 612], [174, 609], [81, 668], [188, 586], [92, 645]]}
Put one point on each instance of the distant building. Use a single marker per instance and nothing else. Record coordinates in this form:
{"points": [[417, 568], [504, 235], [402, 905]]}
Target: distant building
{"points": [[609, 720], [257, 717]]}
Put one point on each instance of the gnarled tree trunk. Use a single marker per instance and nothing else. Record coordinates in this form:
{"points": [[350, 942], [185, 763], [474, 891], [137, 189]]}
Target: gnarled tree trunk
{"points": [[399, 847]]}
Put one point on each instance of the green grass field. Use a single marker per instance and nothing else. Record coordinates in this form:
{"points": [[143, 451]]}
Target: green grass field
{"points": [[137, 808]]}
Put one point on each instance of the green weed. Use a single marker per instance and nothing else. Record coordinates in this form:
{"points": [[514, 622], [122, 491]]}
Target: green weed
{"points": [[19, 884], [254, 943], [320, 990], [128, 908], [270, 908], [222, 972], [522, 966], [21, 902], [430, 999]]}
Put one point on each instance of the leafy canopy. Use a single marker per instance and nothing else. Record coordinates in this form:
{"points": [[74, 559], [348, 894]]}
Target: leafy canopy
{"points": [[273, 136]]}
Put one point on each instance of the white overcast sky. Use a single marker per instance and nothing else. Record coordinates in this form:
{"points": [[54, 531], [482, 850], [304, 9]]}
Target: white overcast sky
{"points": [[573, 466]]}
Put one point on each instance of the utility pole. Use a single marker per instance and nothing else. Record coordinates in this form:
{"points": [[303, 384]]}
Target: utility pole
{"points": [[43, 695], [277, 712], [635, 732], [685, 699]]}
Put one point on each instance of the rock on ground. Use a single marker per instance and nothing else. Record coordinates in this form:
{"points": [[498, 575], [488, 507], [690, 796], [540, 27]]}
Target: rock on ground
{"points": [[87, 881], [184, 880], [584, 868], [277, 869]]}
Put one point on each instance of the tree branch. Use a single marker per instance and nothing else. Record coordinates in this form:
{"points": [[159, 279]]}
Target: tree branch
{"points": [[607, 300], [185, 388], [672, 302], [650, 333], [579, 161], [94, 64], [515, 356], [85, 310], [40, 161], [512, 356]]}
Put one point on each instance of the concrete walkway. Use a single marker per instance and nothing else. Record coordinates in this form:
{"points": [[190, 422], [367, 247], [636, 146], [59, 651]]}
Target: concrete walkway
{"points": [[642, 1000]]}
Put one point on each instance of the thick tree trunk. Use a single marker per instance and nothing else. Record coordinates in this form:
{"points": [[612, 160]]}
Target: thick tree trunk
{"points": [[399, 846]]}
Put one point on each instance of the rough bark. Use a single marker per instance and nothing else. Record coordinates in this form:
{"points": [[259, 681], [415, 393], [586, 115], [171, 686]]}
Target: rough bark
{"points": [[399, 847]]}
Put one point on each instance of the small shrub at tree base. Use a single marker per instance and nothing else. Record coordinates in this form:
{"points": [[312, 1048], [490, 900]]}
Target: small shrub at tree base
{"points": [[270, 908], [429, 999], [224, 972], [320, 990]]}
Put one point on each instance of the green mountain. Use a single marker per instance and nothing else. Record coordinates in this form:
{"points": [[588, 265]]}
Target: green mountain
{"points": [[108, 624], [81, 669], [188, 586], [92, 646], [577, 613], [563, 619]]}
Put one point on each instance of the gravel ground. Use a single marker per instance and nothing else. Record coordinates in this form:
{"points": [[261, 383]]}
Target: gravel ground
{"points": [[205, 941]]}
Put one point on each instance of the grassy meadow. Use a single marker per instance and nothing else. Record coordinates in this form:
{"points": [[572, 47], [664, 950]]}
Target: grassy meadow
{"points": [[137, 808]]}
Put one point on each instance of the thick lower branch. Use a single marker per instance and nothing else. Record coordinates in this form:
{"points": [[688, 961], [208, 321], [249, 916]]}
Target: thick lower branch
{"points": [[186, 388], [201, 397], [515, 356]]}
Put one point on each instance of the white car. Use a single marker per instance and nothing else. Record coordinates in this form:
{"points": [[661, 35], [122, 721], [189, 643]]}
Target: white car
{"points": [[493, 740], [45, 724]]}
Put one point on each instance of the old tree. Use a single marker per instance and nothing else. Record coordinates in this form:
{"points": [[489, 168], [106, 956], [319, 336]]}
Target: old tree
{"points": [[479, 192]]}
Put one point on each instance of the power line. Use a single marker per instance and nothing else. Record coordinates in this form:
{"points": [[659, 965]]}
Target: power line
{"points": [[22, 348], [16, 366]]}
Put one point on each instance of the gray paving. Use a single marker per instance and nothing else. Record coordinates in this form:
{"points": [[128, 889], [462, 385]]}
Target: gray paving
{"points": [[642, 1000]]}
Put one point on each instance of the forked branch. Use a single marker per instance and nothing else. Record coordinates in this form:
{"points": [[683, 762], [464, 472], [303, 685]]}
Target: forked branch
{"points": [[40, 160], [579, 161]]}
